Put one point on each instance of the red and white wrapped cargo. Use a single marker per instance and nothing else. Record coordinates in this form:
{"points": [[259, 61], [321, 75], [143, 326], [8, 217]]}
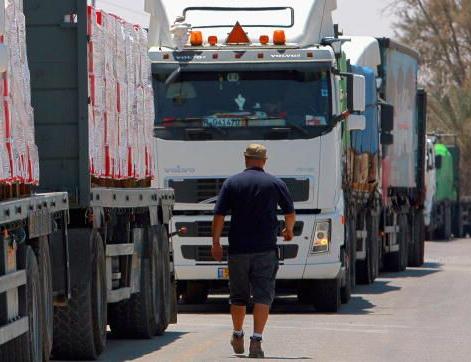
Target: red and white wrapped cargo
{"points": [[121, 110], [18, 152]]}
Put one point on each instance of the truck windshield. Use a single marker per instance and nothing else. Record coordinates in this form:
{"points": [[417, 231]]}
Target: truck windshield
{"points": [[248, 99]]}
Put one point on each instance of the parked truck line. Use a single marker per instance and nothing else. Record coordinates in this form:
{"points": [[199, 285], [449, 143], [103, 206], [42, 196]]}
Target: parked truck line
{"points": [[73, 262]]}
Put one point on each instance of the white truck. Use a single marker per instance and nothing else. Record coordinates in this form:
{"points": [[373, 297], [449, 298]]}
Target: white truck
{"points": [[267, 71]]}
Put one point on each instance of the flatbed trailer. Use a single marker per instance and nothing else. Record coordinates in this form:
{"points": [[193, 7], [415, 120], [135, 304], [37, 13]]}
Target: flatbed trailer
{"points": [[74, 262]]}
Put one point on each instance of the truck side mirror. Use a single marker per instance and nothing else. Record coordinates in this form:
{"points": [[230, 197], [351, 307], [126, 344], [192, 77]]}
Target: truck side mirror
{"points": [[356, 89], [387, 139], [356, 122], [438, 162], [387, 118]]}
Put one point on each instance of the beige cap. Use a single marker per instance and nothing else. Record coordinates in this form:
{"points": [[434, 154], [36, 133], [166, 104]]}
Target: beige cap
{"points": [[255, 151]]}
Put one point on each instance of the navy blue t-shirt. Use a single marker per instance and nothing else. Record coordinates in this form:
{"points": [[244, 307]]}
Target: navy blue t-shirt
{"points": [[252, 197]]}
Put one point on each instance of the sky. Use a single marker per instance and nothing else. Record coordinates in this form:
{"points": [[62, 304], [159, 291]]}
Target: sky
{"points": [[364, 17], [355, 17]]}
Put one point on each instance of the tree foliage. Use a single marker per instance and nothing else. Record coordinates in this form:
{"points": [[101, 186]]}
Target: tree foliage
{"points": [[440, 30]]}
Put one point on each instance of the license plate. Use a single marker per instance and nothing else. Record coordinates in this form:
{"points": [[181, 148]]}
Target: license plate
{"points": [[223, 273]]}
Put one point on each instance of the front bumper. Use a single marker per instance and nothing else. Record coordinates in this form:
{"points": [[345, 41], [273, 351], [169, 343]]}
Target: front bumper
{"points": [[304, 265]]}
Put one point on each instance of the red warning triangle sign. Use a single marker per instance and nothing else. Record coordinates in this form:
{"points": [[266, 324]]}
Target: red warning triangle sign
{"points": [[238, 35]]}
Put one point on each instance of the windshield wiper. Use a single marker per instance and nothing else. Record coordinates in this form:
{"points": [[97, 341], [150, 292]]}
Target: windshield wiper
{"points": [[298, 128], [217, 129], [289, 124], [173, 76]]}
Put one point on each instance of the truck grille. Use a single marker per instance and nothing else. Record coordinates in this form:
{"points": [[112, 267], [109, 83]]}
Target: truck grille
{"points": [[206, 190], [202, 229], [202, 253]]}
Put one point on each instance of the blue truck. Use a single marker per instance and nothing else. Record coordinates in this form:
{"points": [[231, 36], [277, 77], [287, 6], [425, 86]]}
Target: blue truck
{"points": [[389, 158]]}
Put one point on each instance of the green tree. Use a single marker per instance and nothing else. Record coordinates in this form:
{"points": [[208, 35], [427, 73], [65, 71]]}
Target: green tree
{"points": [[440, 30]]}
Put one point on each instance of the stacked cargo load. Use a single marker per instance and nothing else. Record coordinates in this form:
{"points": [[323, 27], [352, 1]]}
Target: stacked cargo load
{"points": [[18, 151], [121, 106]]}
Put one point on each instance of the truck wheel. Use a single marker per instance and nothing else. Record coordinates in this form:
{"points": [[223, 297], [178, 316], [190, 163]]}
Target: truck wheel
{"points": [[373, 232], [397, 261], [327, 295], [138, 317], [99, 296], [447, 226], [195, 292], [165, 285], [416, 249], [80, 327], [367, 270], [405, 236], [29, 346], [349, 256], [346, 290], [45, 272], [174, 302], [457, 222]]}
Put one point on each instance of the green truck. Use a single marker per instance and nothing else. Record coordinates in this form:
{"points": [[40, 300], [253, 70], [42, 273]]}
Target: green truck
{"points": [[450, 211]]}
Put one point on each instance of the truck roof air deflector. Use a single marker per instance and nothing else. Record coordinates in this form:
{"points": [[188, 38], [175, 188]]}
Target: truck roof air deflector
{"points": [[248, 17]]}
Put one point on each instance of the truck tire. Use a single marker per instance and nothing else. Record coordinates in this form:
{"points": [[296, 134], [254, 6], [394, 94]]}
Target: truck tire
{"points": [[443, 232], [457, 220], [138, 317], [447, 226], [327, 295], [99, 296], [195, 292], [349, 256], [416, 249], [45, 272], [165, 283], [368, 269], [174, 302], [29, 346], [397, 261], [80, 327]]}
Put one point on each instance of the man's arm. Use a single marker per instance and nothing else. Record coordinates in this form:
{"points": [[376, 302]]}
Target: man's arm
{"points": [[287, 205], [290, 221], [223, 205], [218, 227]]}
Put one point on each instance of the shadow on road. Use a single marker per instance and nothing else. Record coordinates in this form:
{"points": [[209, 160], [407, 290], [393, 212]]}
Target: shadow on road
{"points": [[358, 305], [283, 305], [274, 358], [125, 350], [378, 287], [426, 270]]}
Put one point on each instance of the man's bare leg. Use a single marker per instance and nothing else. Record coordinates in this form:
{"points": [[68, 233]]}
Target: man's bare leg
{"points": [[238, 316], [260, 317]]}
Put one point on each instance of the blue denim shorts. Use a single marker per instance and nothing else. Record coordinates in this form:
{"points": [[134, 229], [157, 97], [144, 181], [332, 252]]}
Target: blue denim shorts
{"points": [[253, 275]]}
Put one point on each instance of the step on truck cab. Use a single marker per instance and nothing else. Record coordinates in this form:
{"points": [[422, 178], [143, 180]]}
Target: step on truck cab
{"points": [[229, 74], [97, 253]]}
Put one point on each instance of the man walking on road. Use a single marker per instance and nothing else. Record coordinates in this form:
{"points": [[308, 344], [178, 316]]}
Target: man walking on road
{"points": [[252, 198]]}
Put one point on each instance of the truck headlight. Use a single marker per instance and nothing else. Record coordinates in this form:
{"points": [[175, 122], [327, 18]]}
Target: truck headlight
{"points": [[321, 237]]}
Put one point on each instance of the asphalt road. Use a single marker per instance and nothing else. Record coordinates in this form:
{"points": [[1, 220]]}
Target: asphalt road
{"points": [[420, 315]]}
